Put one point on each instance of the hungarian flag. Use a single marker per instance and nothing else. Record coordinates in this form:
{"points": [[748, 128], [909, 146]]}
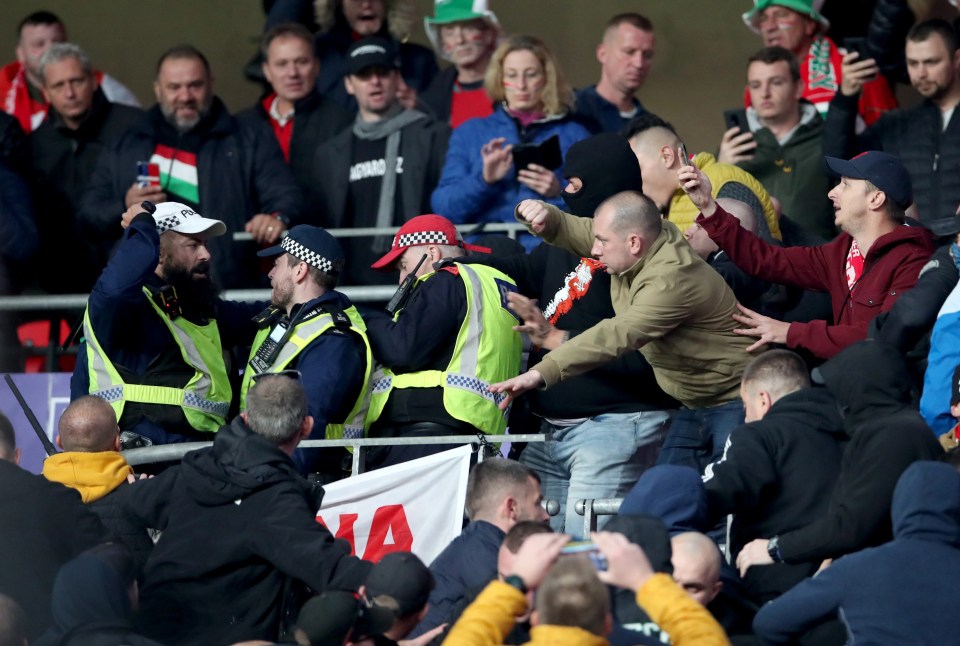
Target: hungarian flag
{"points": [[178, 173]]}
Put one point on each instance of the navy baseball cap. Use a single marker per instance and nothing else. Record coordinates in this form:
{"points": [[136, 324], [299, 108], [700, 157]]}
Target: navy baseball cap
{"points": [[372, 52], [883, 170], [313, 245]]}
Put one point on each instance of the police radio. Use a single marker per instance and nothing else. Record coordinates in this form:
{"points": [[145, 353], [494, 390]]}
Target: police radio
{"points": [[403, 293]]}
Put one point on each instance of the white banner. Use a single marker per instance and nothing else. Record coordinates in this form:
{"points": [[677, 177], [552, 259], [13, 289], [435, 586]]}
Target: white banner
{"points": [[414, 507]]}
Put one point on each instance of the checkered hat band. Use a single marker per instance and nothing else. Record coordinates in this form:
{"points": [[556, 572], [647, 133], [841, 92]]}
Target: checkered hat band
{"points": [[422, 237], [312, 258], [167, 223]]}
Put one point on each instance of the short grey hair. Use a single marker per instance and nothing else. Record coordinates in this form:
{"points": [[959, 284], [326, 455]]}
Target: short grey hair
{"points": [[276, 408], [62, 51]]}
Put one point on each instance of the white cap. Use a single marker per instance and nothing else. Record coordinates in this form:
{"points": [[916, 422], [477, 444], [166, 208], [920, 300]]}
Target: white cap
{"points": [[174, 216]]}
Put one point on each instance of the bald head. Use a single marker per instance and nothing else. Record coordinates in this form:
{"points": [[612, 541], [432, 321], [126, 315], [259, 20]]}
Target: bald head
{"points": [[740, 210], [655, 147], [651, 140], [632, 212], [696, 565], [89, 425]]}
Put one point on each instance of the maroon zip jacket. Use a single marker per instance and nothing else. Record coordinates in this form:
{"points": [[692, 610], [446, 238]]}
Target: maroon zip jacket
{"points": [[892, 266]]}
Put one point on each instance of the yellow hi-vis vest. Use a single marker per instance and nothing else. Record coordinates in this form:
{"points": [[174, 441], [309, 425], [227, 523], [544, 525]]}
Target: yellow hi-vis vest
{"points": [[205, 400], [487, 351], [303, 335]]}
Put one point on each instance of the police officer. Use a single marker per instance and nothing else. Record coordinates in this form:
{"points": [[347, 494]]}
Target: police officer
{"points": [[314, 329], [451, 338], [155, 330]]}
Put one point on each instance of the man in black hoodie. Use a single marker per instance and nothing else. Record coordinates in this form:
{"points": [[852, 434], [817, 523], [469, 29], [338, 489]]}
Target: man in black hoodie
{"points": [[776, 467], [871, 383], [606, 426], [239, 529]]}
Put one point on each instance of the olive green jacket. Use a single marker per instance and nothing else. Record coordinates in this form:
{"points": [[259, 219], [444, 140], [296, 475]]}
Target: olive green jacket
{"points": [[671, 306]]}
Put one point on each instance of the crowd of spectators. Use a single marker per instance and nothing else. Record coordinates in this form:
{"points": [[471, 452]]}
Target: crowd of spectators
{"points": [[751, 353]]}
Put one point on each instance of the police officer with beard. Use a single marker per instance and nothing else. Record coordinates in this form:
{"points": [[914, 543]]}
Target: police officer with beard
{"points": [[155, 330]]}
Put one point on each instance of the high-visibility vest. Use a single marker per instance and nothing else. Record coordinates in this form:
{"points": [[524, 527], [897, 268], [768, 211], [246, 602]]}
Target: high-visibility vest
{"points": [[487, 351], [204, 400], [303, 335]]}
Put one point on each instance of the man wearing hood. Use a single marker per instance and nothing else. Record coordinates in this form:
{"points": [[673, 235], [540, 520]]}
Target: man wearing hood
{"points": [[239, 529], [231, 171], [607, 425], [871, 384], [899, 593], [776, 467]]}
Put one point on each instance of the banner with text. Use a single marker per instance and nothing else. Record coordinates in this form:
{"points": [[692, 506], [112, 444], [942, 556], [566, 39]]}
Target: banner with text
{"points": [[416, 506]]}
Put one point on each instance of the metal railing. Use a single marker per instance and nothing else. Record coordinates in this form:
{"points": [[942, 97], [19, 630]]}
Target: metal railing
{"points": [[357, 294], [511, 229], [591, 508], [172, 452]]}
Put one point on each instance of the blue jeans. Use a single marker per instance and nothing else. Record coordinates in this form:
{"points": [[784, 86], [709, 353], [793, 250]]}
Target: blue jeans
{"points": [[697, 436], [599, 458]]}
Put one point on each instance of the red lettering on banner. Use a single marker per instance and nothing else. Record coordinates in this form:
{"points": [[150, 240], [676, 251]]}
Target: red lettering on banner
{"points": [[388, 520], [392, 519], [345, 530]]}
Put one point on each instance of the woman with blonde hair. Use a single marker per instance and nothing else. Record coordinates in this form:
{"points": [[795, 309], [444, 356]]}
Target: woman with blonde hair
{"points": [[480, 181]]}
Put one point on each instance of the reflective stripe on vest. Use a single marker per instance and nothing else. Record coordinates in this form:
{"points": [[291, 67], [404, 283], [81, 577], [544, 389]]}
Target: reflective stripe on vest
{"points": [[205, 399], [303, 335], [487, 350]]}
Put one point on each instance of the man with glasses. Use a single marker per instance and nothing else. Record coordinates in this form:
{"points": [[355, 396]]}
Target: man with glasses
{"points": [[316, 330], [465, 33]]}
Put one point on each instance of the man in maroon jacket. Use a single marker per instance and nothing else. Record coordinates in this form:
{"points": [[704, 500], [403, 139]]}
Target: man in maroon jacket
{"points": [[865, 269]]}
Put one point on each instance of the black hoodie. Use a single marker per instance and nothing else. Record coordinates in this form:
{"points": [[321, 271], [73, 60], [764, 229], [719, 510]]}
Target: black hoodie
{"points": [[903, 592], [774, 477], [238, 524], [872, 386]]}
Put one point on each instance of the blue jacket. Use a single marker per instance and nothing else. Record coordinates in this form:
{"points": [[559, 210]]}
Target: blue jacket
{"points": [[943, 359], [463, 196], [129, 329], [903, 592], [467, 564]]}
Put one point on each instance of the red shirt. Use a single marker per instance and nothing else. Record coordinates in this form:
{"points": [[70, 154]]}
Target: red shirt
{"points": [[282, 129], [469, 104]]}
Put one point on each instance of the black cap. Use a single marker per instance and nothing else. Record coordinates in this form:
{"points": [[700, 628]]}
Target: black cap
{"points": [[883, 170], [401, 582], [313, 245], [372, 52], [327, 619]]}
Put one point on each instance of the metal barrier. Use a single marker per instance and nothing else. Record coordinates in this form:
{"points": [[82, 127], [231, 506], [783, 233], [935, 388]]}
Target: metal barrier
{"points": [[170, 452], [511, 229], [591, 508], [357, 294]]}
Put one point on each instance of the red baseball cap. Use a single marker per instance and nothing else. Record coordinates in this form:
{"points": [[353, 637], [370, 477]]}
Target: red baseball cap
{"points": [[424, 230]]}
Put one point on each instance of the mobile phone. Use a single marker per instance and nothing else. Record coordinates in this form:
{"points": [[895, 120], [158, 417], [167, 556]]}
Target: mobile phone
{"points": [[148, 174], [590, 549], [733, 119], [858, 45], [686, 156]]}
